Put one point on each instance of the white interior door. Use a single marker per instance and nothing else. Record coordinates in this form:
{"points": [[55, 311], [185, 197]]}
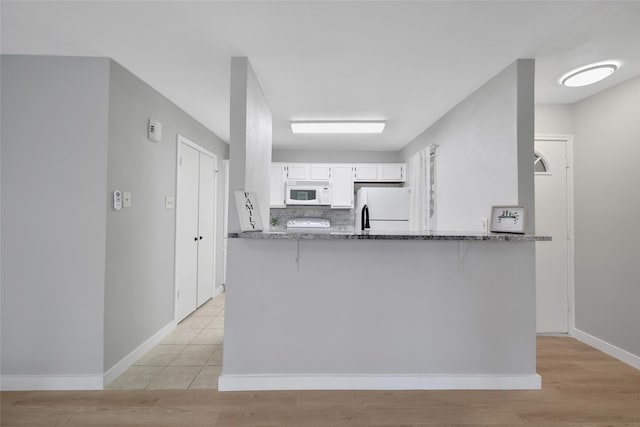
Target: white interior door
{"points": [[552, 258], [206, 228], [187, 230]]}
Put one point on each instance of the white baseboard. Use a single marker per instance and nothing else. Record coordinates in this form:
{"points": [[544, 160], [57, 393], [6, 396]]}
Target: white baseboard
{"points": [[379, 382], [83, 382], [51, 382], [218, 290], [610, 349], [136, 354]]}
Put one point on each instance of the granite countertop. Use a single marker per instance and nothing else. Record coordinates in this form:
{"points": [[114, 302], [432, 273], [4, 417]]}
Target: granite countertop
{"points": [[386, 235]]}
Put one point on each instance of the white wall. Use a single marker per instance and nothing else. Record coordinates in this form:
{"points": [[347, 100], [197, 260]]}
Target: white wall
{"points": [[319, 156], [250, 140], [139, 293], [554, 119], [54, 206], [485, 147], [607, 212]]}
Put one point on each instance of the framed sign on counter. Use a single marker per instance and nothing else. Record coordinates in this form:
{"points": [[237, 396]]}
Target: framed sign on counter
{"points": [[507, 219], [247, 204]]}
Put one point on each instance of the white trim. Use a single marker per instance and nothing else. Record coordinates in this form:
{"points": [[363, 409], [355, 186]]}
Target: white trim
{"points": [[571, 297], [554, 334], [215, 224], [379, 382], [613, 351], [51, 382], [218, 290], [196, 146], [124, 363], [225, 219], [175, 228]]}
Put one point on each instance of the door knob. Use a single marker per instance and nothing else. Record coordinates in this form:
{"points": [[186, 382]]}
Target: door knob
{"points": [[195, 238], [200, 237]]}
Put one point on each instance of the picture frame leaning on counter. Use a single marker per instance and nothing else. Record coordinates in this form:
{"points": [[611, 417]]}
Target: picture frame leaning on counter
{"points": [[507, 219]]}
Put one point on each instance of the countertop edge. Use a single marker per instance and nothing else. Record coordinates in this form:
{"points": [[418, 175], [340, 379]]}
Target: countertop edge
{"points": [[256, 235]]}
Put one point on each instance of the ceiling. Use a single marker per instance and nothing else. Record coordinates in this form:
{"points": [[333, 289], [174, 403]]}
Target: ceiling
{"points": [[404, 62]]}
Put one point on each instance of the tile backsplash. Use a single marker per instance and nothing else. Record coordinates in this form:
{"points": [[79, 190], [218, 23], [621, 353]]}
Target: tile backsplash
{"points": [[341, 219]]}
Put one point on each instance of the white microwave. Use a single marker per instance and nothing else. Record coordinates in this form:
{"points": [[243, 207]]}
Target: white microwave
{"points": [[308, 193]]}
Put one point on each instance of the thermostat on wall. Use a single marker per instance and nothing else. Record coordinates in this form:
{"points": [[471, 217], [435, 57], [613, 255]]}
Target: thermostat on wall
{"points": [[154, 130]]}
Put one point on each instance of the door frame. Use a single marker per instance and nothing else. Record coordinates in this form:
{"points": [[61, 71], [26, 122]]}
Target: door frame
{"points": [[225, 223], [568, 140], [180, 139]]}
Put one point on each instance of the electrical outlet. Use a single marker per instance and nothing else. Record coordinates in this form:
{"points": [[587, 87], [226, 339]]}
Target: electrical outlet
{"points": [[170, 202]]}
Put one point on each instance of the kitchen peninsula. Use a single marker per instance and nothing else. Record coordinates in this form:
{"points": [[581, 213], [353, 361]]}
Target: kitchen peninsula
{"points": [[380, 311], [396, 310]]}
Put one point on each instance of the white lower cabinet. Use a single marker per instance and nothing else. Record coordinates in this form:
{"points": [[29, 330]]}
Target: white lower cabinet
{"points": [[342, 186]]}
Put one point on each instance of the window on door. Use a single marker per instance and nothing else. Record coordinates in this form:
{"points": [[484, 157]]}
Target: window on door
{"points": [[540, 165]]}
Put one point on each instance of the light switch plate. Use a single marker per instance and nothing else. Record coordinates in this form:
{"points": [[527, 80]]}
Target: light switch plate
{"points": [[154, 130], [126, 199], [170, 202]]}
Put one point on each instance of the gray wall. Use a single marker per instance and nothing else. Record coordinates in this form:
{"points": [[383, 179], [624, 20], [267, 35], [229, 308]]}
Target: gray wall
{"points": [[318, 156], [250, 140], [303, 309], [139, 293], [483, 142], [607, 209], [525, 131], [54, 206]]}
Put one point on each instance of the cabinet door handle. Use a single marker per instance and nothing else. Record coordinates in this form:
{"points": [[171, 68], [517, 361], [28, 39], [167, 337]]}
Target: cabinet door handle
{"points": [[195, 239], [200, 237]]}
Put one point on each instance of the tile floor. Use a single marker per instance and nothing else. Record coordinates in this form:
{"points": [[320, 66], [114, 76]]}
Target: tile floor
{"points": [[189, 358]]}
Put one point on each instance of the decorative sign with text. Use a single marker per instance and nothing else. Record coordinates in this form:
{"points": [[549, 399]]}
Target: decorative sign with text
{"points": [[248, 212], [507, 219]]}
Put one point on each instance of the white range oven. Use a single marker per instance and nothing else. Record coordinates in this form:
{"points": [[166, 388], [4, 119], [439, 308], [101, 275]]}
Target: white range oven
{"points": [[308, 193]]}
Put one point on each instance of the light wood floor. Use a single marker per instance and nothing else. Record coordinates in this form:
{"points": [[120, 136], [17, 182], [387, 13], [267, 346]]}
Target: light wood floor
{"points": [[581, 387]]}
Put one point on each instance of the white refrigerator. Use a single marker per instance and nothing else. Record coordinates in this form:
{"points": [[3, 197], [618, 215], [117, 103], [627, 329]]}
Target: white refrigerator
{"points": [[388, 208]]}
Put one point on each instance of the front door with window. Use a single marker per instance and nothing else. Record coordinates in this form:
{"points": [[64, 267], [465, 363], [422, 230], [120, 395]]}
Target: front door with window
{"points": [[552, 258]]}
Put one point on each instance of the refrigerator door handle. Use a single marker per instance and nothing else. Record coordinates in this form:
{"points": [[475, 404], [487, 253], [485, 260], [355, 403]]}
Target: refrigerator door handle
{"points": [[365, 218]]}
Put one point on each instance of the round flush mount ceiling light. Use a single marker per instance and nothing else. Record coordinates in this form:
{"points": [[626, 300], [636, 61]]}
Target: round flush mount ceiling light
{"points": [[589, 74]]}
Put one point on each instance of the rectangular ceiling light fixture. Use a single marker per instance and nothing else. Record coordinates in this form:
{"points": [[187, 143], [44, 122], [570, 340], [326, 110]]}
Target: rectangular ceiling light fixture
{"points": [[338, 127]]}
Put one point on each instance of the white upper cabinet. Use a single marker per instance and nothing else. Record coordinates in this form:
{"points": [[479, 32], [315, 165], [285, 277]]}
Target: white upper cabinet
{"points": [[278, 181], [391, 172], [320, 172], [342, 177], [380, 172], [342, 186], [298, 171], [366, 172]]}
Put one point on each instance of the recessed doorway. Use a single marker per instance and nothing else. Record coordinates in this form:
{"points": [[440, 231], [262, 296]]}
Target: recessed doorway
{"points": [[195, 227], [553, 217]]}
